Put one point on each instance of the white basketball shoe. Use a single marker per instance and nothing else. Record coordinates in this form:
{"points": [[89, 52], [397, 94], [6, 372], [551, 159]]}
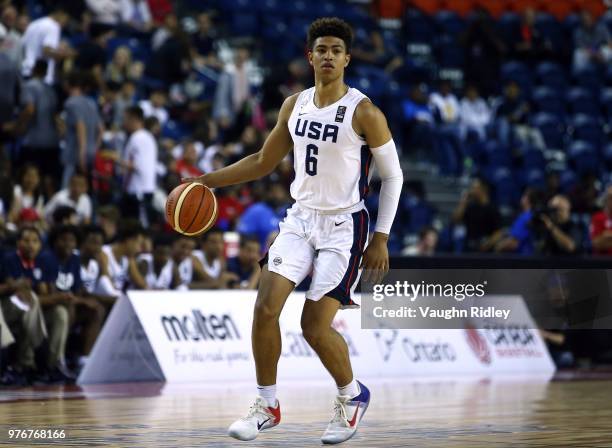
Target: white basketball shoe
{"points": [[260, 417], [347, 414]]}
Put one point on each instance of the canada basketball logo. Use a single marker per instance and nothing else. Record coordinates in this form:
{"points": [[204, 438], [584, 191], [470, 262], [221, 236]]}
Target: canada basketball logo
{"points": [[478, 344]]}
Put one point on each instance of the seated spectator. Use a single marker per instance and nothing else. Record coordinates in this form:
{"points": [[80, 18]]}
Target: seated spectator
{"points": [[246, 264], [88, 313], [121, 68], [119, 258], [94, 275], [136, 15], [601, 226], [592, 42], [28, 199], [263, 217], [529, 44], [419, 120], [557, 234], [64, 215], [108, 220], [211, 256], [520, 238], [157, 268], [444, 103], [426, 246], [28, 262], [480, 217], [22, 318], [474, 114], [511, 114], [155, 106], [191, 272], [230, 206], [74, 196], [187, 165], [204, 41], [106, 12]]}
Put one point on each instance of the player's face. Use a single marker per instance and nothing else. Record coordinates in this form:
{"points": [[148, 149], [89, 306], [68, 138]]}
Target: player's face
{"points": [[65, 244], [182, 249], [328, 57], [29, 245], [161, 255], [213, 246], [133, 245], [92, 245]]}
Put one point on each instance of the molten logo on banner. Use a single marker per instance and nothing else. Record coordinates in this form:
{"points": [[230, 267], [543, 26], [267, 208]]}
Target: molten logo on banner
{"points": [[479, 345]]}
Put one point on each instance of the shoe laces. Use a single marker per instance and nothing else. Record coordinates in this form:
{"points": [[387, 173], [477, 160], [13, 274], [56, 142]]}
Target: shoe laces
{"points": [[340, 411], [259, 407]]}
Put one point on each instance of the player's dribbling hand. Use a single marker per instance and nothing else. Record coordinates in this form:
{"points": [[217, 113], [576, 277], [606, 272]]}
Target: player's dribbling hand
{"points": [[200, 179], [375, 261]]}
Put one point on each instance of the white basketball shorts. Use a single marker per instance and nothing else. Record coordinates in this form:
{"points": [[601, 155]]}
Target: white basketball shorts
{"points": [[326, 245]]}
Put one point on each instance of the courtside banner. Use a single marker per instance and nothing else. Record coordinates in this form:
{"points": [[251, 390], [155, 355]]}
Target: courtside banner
{"points": [[206, 336]]}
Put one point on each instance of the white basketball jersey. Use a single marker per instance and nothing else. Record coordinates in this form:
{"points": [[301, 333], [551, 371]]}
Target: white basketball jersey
{"points": [[90, 275], [214, 269], [185, 269], [154, 281], [331, 162], [117, 270]]}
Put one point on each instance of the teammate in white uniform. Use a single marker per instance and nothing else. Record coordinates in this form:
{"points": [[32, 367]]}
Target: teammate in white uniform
{"points": [[95, 279], [158, 269], [119, 258], [335, 132]]}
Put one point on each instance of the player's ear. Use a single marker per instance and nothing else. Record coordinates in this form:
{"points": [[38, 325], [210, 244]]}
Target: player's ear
{"points": [[347, 58], [309, 57]]}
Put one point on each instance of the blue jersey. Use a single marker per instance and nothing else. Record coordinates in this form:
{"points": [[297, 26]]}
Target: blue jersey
{"points": [[38, 271], [66, 275]]}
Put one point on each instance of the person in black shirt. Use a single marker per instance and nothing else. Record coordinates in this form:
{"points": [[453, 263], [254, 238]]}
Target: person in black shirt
{"points": [[87, 312], [92, 54], [481, 219], [559, 235]]}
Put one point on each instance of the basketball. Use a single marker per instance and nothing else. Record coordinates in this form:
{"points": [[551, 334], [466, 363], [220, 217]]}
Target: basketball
{"points": [[191, 209]]}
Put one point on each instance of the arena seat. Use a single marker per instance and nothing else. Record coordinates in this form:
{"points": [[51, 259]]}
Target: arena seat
{"points": [[547, 100], [582, 101], [588, 129], [583, 158]]}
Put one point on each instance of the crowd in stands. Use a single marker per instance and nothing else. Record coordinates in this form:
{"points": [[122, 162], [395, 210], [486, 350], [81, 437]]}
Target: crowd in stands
{"points": [[106, 105]]}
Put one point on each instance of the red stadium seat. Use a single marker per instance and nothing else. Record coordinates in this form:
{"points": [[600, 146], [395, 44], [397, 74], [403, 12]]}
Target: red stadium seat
{"points": [[427, 6]]}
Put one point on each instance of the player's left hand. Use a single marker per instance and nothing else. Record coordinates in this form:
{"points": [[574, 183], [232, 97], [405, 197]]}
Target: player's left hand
{"points": [[375, 260]]}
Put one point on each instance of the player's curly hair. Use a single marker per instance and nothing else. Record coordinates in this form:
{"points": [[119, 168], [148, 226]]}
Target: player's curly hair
{"points": [[330, 26]]}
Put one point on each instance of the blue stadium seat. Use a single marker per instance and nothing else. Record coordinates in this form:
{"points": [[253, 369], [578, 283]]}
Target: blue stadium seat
{"points": [[244, 24], [506, 191], [606, 102], [448, 55], [582, 101], [583, 158], [449, 22], [588, 78], [588, 129], [535, 178], [533, 158], [548, 100], [607, 157], [551, 75], [507, 26], [567, 180], [518, 72], [418, 27], [552, 129], [497, 155]]}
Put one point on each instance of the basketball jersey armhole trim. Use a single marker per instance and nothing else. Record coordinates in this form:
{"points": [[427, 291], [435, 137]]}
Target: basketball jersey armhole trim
{"points": [[358, 138]]}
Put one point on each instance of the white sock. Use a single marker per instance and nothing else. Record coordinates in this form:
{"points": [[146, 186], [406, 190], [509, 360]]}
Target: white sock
{"points": [[268, 393], [350, 390]]}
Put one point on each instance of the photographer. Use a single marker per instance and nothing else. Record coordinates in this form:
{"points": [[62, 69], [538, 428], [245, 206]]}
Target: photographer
{"points": [[559, 235], [520, 238]]}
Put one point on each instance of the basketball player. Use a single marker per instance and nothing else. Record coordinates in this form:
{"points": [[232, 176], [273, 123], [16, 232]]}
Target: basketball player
{"points": [[335, 131]]}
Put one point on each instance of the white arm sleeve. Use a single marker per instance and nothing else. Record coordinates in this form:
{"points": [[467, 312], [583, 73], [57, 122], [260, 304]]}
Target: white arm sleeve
{"points": [[390, 171], [106, 288]]}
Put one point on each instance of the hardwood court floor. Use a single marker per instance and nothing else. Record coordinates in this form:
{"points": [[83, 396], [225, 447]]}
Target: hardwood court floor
{"points": [[403, 413]]}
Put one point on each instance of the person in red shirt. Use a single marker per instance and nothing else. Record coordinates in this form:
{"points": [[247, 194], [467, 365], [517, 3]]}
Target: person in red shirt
{"points": [[601, 226], [187, 165]]}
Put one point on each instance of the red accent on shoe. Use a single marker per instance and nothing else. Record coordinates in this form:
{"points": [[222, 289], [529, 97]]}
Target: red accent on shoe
{"points": [[276, 413], [352, 421]]}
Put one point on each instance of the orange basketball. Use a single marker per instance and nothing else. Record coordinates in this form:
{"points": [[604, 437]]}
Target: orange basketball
{"points": [[191, 209]]}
